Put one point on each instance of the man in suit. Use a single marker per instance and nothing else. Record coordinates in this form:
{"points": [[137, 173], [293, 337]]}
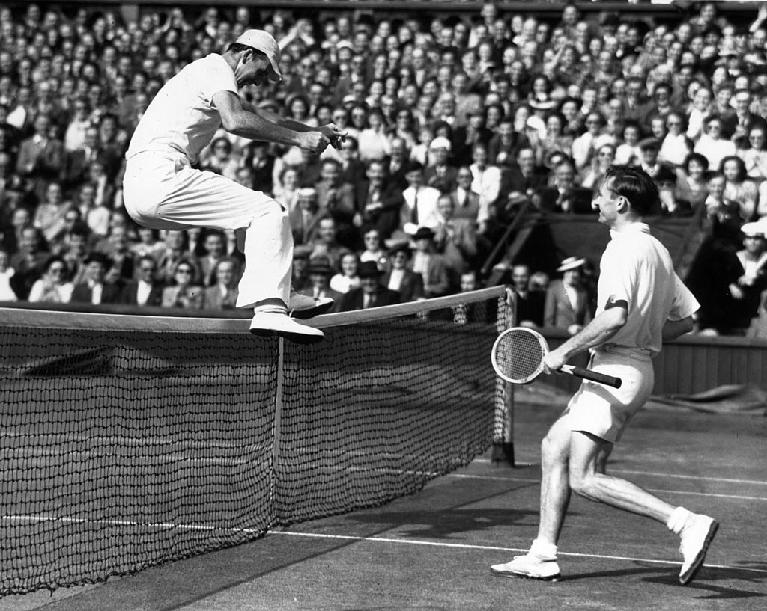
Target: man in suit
{"points": [[371, 293], [466, 200], [567, 301], [564, 196], [440, 174], [305, 217], [145, 290], [214, 246], [41, 156], [378, 202], [429, 264], [223, 295], [94, 289], [528, 304], [320, 271], [352, 169], [399, 277], [455, 239]]}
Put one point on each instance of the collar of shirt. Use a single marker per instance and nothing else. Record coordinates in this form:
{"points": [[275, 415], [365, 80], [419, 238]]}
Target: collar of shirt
{"points": [[630, 229]]}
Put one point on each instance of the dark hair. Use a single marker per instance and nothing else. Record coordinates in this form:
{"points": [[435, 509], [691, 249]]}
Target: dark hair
{"points": [[742, 172], [701, 159], [636, 186]]}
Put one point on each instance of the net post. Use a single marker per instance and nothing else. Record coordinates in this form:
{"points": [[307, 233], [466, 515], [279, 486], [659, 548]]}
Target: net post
{"points": [[503, 442], [277, 425]]}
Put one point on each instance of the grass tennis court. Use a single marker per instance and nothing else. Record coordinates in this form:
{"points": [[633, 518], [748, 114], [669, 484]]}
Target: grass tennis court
{"points": [[432, 550]]}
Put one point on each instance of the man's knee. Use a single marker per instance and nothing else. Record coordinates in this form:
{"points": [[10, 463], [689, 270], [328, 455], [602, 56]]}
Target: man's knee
{"points": [[555, 445]]}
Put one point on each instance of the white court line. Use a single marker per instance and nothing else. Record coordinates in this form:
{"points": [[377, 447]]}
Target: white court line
{"points": [[33, 519], [661, 490], [498, 549], [726, 480]]}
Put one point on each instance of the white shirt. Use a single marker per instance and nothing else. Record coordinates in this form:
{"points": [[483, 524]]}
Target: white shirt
{"points": [[6, 292], [714, 150], [486, 184], [96, 290], [182, 116], [637, 268], [142, 295], [395, 279], [426, 201]]}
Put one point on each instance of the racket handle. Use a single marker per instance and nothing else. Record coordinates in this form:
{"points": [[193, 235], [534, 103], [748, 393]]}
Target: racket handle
{"points": [[593, 376]]}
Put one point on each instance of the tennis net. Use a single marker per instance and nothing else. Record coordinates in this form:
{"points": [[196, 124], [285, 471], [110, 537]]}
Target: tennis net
{"points": [[128, 441]]}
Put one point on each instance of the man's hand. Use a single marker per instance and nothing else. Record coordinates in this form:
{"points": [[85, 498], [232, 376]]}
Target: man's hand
{"points": [[316, 142], [553, 361], [334, 134]]}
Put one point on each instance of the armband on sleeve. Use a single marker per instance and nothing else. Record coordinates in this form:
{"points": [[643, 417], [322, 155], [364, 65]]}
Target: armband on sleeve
{"points": [[612, 302]]}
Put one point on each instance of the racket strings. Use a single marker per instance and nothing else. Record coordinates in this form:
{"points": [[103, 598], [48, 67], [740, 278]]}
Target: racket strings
{"points": [[519, 354]]}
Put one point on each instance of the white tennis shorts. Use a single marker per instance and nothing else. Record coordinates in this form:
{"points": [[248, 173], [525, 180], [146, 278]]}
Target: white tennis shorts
{"points": [[604, 411], [162, 191]]}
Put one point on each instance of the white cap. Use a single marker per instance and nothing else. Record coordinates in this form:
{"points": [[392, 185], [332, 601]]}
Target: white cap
{"points": [[440, 142], [263, 41], [570, 263], [757, 228]]}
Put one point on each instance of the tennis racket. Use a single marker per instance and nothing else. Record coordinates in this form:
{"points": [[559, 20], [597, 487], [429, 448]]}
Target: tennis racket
{"points": [[518, 355]]}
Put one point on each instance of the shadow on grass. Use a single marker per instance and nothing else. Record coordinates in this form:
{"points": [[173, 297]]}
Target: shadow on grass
{"points": [[704, 582]]}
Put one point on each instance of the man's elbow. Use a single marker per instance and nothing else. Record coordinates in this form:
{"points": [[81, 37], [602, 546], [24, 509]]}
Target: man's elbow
{"points": [[617, 318], [233, 123]]}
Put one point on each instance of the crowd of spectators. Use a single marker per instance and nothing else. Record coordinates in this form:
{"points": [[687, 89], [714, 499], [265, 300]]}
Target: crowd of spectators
{"points": [[454, 125]]}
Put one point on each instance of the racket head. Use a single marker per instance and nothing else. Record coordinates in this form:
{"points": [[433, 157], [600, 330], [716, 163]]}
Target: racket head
{"points": [[518, 354]]}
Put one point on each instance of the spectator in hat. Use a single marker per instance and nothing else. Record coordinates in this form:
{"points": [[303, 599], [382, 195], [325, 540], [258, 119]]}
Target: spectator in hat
{"points": [[371, 293], [94, 288], [305, 217], [320, 270], [399, 277], [749, 286], [439, 173], [299, 268], [567, 301], [649, 149], [429, 264]]}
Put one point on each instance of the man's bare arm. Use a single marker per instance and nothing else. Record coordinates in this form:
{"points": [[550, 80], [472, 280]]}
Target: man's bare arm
{"points": [[603, 327], [245, 122], [674, 328]]}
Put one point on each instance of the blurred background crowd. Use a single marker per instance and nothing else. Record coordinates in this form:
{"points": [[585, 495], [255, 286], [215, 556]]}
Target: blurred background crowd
{"points": [[455, 126]]}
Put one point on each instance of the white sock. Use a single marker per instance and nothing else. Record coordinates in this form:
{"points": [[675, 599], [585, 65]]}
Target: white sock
{"points": [[271, 308], [678, 519], [544, 550]]}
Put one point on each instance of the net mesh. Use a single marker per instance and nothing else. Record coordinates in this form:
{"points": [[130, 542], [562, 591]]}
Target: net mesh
{"points": [[125, 449], [518, 354]]}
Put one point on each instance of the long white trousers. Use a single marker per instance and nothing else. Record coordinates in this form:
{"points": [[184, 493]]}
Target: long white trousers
{"points": [[162, 191]]}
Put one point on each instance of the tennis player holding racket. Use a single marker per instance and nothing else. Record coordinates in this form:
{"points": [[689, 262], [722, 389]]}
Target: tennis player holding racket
{"points": [[641, 302], [163, 191]]}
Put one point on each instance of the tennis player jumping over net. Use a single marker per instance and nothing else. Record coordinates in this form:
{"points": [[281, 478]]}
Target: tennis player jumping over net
{"points": [[641, 302], [163, 191]]}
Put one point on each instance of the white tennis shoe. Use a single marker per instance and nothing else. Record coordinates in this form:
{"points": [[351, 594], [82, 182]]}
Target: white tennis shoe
{"points": [[268, 324], [529, 565], [303, 306], [696, 537]]}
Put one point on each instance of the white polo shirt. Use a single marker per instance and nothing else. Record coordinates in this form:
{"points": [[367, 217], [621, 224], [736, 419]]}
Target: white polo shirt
{"points": [[182, 116], [637, 268]]}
